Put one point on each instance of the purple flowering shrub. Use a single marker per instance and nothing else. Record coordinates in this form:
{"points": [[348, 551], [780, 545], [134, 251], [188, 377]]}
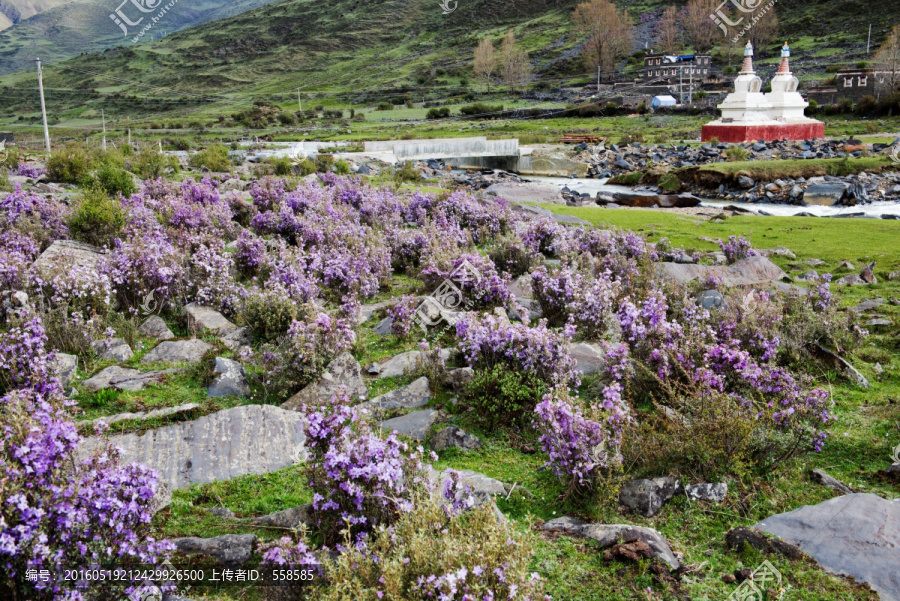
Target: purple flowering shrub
{"points": [[566, 295], [737, 248], [724, 402], [439, 549], [489, 341], [359, 480], [41, 219], [402, 314], [59, 509], [477, 279]]}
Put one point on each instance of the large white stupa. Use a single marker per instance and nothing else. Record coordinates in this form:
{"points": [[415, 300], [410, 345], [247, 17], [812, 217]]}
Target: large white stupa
{"points": [[748, 114]]}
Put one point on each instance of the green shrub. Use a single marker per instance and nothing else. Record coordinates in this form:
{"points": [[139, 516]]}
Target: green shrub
{"points": [[71, 163], [737, 153], [305, 167], [503, 397], [149, 163], [112, 179], [268, 315], [215, 158], [481, 110], [631, 138], [281, 165], [669, 183], [341, 167], [438, 113], [96, 219], [324, 162], [5, 186], [10, 158], [406, 173], [287, 118], [512, 257], [384, 106]]}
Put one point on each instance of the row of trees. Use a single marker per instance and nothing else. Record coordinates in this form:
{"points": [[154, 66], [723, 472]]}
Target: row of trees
{"points": [[511, 64]]}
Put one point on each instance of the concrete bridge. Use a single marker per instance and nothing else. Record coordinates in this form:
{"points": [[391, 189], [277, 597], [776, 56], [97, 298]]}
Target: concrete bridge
{"points": [[445, 148]]}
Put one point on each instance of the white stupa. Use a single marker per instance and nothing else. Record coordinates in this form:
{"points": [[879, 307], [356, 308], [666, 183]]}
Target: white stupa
{"points": [[748, 114], [747, 104]]}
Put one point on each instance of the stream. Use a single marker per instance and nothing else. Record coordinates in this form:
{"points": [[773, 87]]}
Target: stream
{"points": [[592, 186]]}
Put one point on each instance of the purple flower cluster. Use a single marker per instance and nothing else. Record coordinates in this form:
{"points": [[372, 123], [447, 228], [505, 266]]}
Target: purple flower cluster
{"points": [[57, 509], [26, 170], [358, 479], [488, 341], [480, 583], [478, 280], [737, 248], [402, 314]]}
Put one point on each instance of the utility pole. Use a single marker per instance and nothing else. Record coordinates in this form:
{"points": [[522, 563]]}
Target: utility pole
{"points": [[598, 79], [43, 106], [691, 85], [299, 102], [103, 117]]}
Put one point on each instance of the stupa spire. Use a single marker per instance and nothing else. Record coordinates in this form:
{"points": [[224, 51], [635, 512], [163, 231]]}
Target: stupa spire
{"points": [[784, 67], [748, 58]]}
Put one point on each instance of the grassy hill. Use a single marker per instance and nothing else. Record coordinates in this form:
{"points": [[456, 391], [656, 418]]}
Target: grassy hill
{"points": [[13, 11], [66, 29], [352, 52]]}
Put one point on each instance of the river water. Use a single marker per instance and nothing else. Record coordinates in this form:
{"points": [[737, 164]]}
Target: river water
{"points": [[592, 186]]}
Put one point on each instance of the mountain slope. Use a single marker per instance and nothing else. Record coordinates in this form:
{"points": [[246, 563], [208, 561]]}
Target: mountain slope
{"points": [[14, 11], [362, 51], [85, 26]]}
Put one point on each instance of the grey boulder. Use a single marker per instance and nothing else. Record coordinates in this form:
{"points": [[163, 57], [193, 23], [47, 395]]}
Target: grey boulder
{"points": [[854, 535], [454, 437], [65, 366], [252, 439], [826, 194], [415, 424], [177, 351], [412, 396], [155, 327], [647, 496], [123, 378], [115, 349], [706, 491], [286, 518], [230, 380], [608, 535], [404, 363], [202, 318], [590, 357]]}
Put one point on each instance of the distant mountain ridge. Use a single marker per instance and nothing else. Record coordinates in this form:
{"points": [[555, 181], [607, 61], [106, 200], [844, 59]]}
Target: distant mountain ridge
{"points": [[59, 29]]}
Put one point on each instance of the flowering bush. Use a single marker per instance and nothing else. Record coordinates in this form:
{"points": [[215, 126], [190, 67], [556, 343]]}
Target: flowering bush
{"points": [[477, 278], [567, 295], [580, 449], [737, 248], [41, 219], [57, 509], [402, 314], [360, 481]]}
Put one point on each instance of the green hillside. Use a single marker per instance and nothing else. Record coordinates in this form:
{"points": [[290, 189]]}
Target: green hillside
{"points": [[352, 52]]}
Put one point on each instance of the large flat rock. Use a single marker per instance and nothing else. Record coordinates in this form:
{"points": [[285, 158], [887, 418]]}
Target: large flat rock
{"points": [[516, 192], [752, 271], [177, 351], [415, 424], [124, 378], [415, 395], [254, 439], [202, 318], [68, 253], [855, 535]]}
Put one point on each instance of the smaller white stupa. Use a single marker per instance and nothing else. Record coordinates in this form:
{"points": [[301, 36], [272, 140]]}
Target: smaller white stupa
{"points": [[747, 104], [787, 103]]}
